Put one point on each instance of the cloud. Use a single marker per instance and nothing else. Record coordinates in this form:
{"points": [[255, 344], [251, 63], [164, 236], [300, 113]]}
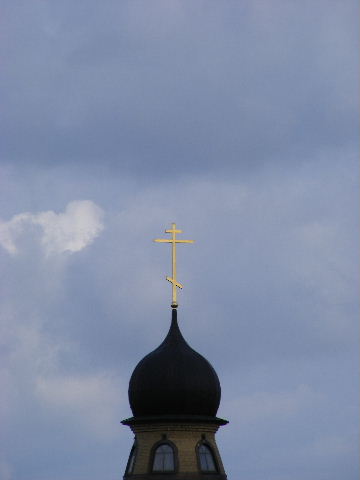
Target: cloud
{"points": [[229, 88], [70, 231], [282, 372], [259, 406], [5, 470], [92, 399], [247, 109], [10, 231]]}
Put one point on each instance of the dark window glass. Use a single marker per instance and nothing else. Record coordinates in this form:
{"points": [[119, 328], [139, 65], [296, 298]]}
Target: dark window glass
{"points": [[131, 461], [207, 462], [164, 460]]}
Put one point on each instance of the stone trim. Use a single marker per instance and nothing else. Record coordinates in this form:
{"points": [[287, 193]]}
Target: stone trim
{"points": [[177, 476], [180, 427]]}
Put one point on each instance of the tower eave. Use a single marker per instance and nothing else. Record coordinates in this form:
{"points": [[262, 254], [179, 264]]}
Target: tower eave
{"points": [[174, 419]]}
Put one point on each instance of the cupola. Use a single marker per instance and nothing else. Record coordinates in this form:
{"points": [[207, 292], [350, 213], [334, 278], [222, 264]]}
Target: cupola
{"points": [[174, 380]]}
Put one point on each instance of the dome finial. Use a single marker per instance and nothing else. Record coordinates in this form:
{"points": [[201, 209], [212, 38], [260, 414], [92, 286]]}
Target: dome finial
{"points": [[173, 240]]}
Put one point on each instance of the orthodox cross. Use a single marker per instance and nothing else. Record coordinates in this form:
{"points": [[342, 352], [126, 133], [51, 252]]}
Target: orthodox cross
{"points": [[173, 240]]}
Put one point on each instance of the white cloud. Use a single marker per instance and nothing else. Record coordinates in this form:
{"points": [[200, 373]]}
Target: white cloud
{"points": [[11, 230], [70, 231]]}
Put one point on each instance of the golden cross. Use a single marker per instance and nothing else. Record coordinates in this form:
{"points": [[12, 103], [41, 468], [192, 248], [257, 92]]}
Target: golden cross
{"points": [[173, 240]]}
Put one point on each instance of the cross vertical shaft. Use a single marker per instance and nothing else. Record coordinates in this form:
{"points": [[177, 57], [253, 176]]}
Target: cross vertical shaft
{"points": [[174, 291], [173, 279]]}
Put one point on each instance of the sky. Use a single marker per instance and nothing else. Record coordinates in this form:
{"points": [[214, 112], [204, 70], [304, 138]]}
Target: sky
{"points": [[237, 120]]}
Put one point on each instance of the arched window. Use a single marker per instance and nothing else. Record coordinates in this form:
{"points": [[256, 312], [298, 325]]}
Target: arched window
{"points": [[164, 459], [131, 461], [206, 459]]}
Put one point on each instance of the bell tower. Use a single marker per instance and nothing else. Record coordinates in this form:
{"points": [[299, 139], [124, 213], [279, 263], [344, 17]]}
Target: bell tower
{"points": [[174, 395]]}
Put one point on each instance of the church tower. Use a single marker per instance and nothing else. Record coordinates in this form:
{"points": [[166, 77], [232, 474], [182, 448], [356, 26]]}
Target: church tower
{"points": [[174, 394]]}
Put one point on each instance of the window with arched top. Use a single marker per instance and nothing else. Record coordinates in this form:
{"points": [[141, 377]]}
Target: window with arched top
{"points": [[164, 458], [206, 458], [131, 461]]}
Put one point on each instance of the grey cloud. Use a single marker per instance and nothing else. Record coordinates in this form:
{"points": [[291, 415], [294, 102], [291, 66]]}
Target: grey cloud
{"points": [[237, 122], [246, 306], [186, 91]]}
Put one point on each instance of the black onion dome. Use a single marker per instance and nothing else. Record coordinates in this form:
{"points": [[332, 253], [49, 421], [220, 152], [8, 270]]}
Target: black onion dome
{"points": [[174, 380]]}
